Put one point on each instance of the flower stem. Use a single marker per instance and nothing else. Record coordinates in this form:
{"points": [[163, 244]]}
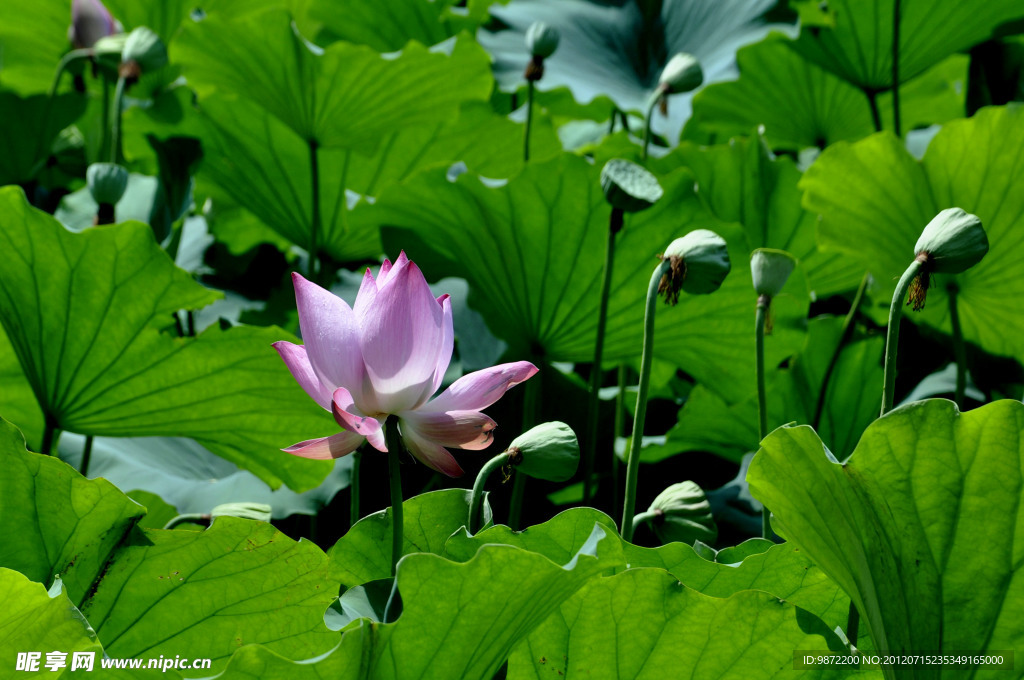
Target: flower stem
{"points": [[314, 225], [476, 503], [105, 113], [633, 462], [896, 67], [844, 338], [959, 350], [83, 467], [529, 120], [620, 425], [353, 487], [593, 400], [760, 318], [892, 336], [50, 434], [611, 121], [876, 116], [393, 440], [531, 395], [116, 153], [647, 125]]}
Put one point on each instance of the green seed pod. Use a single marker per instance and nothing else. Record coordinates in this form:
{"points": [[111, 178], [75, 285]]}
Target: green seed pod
{"points": [[542, 40], [628, 186], [700, 262], [549, 451], [770, 268], [683, 515], [145, 48], [107, 182], [257, 511], [682, 73], [953, 242]]}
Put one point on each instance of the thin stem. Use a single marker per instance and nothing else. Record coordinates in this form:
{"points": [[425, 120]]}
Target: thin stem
{"points": [[194, 517], [892, 337], [593, 399], [645, 516], [647, 125], [611, 122], [353, 487], [896, 67], [633, 462], [393, 440], [876, 116], [852, 624], [531, 399], [83, 467], [760, 318], [476, 503], [844, 338], [49, 435], [959, 350], [116, 153], [190, 315], [620, 426], [529, 120], [515, 504], [104, 113], [314, 226], [48, 109]]}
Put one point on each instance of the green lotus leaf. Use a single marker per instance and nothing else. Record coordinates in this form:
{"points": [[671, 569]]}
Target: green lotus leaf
{"points": [[27, 144], [922, 526], [875, 199], [31, 49]]}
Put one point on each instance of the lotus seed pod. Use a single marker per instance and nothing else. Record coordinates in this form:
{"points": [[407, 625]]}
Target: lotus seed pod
{"points": [[548, 451], [257, 511], [107, 182], [144, 48], [953, 242], [683, 515], [770, 269], [542, 40], [682, 73], [699, 264], [628, 186]]}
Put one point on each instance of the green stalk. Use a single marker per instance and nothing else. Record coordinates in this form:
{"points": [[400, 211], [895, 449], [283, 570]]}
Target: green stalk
{"points": [[50, 434], [116, 153], [876, 116], [105, 113], [760, 319], [83, 467], [531, 397], [844, 338], [529, 120], [647, 125], [48, 109], [593, 399], [620, 425], [312, 270], [476, 503], [611, 123], [353, 487], [959, 350], [896, 67], [892, 336], [393, 440], [633, 462]]}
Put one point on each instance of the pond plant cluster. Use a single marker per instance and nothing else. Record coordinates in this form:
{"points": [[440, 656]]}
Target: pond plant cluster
{"points": [[739, 280]]}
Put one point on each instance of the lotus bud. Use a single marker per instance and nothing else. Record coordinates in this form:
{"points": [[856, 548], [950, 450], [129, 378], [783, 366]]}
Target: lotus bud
{"points": [[681, 513], [143, 52], [548, 451], [770, 268], [90, 21], [257, 511], [699, 263], [107, 182], [953, 242], [682, 73], [541, 42], [628, 186]]}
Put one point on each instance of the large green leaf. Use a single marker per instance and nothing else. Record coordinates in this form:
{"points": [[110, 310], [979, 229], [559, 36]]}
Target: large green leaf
{"points": [[459, 620], [858, 44], [84, 313], [18, 403], [644, 624], [707, 423], [346, 95], [533, 252], [874, 200], [240, 582], [923, 526], [30, 50], [802, 105], [32, 621], [59, 522], [364, 553]]}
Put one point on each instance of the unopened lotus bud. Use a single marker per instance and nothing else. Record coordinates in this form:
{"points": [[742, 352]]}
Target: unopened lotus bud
{"points": [[549, 451], [90, 21], [257, 511], [953, 242], [682, 73], [107, 182], [699, 262], [681, 513], [145, 50], [541, 42], [770, 269], [628, 186]]}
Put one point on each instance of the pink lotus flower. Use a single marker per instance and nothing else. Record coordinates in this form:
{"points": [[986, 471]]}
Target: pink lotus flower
{"points": [[90, 21], [386, 355]]}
